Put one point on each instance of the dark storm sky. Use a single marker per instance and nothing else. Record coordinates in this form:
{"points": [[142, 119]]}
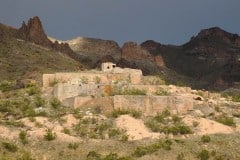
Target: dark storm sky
{"points": [[165, 21]]}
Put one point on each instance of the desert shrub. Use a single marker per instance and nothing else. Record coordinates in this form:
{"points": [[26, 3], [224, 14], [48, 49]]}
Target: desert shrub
{"points": [[161, 92], [160, 117], [195, 123], [134, 113], [66, 131], [14, 123], [23, 137], [25, 156], [97, 80], [176, 119], [236, 98], [124, 138], [6, 86], [237, 114], [93, 155], [204, 155], [165, 123], [32, 119], [33, 90], [114, 132], [5, 106], [117, 112], [149, 149], [49, 135], [217, 108], [55, 103], [39, 101], [133, 91], [73, 146], [180, 156], [229, 121], [205, 139], [10, 146], [84, 79], [176, 129], [153, 125]]}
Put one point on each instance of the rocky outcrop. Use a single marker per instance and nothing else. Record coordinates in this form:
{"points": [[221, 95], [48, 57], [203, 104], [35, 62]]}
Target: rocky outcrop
{"points": [[33, 32], [212, 55], [132, 50], [87, 46], [219, 33]]}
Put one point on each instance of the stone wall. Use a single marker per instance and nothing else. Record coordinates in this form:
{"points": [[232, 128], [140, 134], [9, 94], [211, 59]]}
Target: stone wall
{"points": [[149, 105], [129, 75], [64, 91]]}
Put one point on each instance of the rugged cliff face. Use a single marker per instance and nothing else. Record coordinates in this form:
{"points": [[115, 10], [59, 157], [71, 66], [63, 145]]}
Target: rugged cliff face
{"points": [[33, 32], [213, 56], [94, 46]]}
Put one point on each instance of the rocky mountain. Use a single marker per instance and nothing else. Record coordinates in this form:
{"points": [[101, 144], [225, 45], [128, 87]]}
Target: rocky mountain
{"points": [[27, 53], [33, 32], [211, 58]]}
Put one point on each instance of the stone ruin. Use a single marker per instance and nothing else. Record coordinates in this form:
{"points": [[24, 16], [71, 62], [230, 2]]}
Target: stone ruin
{"points": [[93, 88]]}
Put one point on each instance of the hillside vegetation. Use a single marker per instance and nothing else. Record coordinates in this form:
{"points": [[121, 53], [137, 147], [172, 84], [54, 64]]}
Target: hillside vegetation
{"points": [[20, 59]]}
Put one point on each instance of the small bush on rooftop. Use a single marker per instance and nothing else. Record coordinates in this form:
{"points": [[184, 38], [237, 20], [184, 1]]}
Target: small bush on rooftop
{"points": [[161, 92]]}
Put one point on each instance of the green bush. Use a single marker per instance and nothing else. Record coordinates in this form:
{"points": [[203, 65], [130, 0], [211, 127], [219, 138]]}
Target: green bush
{"points": [[132, 91], [236, 98], [204, 155], [149, 149], [134, 113], [176, 129], [205, 139], [114, 132], [229, 121], [180, 156], [164, 122], [93, 155], [25, 156], [160, 117], [33, 90], [55, 103], [10, 146], [39, 101], [6, 86], [66, 131], [23, 137], [73, 146], [161, 92], [49, 136]]}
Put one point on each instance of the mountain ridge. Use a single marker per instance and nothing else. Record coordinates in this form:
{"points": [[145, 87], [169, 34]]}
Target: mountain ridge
{"points": [[212, 56]]}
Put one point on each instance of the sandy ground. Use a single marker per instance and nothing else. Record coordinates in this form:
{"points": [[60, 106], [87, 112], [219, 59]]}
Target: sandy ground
{"points": [[135, 128], [207, 126]]}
